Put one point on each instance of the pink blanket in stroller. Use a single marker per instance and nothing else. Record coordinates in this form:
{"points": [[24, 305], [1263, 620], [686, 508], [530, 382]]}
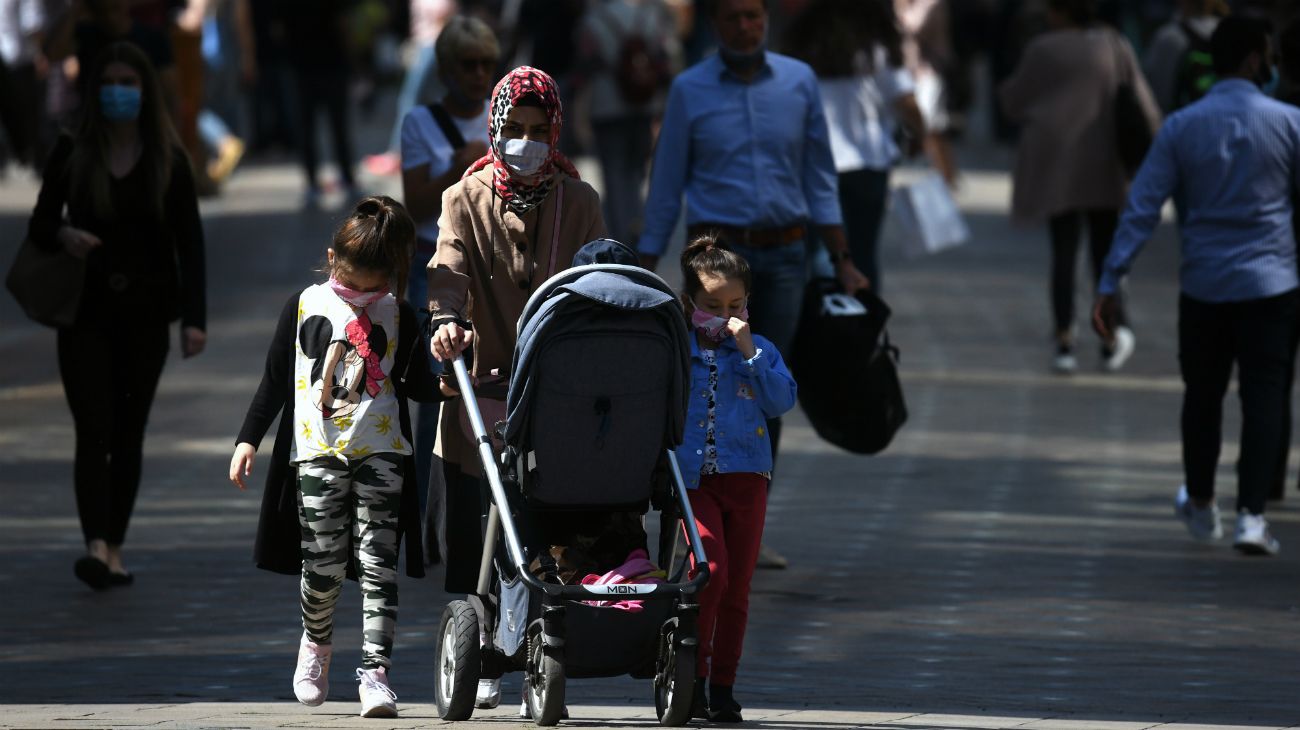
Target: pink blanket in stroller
{"points": [[637, 569]]}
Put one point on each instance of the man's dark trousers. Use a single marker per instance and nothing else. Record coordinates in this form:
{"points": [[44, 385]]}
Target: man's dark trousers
{"points": [[1258, 336]]}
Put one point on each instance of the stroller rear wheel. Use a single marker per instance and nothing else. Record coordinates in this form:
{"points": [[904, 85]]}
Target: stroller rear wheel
{"points": [[674, 682], [544, 690], [457, 660]]}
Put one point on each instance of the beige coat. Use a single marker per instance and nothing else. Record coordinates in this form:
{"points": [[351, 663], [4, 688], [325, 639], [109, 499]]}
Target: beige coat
{"points": [[489, 261], [1063, 93]]}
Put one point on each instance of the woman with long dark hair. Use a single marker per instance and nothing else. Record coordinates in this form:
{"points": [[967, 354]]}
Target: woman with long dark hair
{"points": [[855, 47], [118, 193]]}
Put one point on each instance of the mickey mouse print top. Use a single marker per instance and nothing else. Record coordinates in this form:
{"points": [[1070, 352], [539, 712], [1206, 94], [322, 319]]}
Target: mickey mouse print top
{"points": [[345, 404]]}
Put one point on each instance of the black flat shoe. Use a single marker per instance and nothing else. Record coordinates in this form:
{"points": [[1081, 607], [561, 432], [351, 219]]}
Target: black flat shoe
{"points": [[120, 580], [92, 571], [723, 707], [725, 716], [699, 701]]}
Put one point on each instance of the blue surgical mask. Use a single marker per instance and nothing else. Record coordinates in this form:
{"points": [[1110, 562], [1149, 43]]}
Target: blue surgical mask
{"points": [[120, 103]]}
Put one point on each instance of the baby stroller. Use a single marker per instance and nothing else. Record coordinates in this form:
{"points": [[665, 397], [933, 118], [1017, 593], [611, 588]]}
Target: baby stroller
{"points": [[596, 403]]}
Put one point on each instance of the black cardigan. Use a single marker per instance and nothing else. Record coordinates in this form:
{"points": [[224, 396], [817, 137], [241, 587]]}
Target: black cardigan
{"points": [[150, 266], [279, 538]]}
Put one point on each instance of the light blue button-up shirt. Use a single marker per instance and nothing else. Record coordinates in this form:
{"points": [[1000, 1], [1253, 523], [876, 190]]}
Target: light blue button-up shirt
{"points": [[1234, 159], [751, 154]]}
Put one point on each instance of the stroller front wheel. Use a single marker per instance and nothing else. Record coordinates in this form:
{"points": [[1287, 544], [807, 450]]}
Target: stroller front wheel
{"points": [[458, 661], [544, 690], [675, 683]]}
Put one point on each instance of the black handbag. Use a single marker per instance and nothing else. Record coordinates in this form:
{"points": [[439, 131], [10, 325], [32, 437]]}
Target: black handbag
{"points": [[1133, 135], [846, 368], [47, 284]]}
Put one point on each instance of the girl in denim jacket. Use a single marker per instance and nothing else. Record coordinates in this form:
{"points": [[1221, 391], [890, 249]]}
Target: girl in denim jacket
{"points": [[738, 381]]}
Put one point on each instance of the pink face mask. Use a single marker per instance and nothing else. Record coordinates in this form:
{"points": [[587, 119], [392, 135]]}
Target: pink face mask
{"points": [[361, 299], [714, 328]]}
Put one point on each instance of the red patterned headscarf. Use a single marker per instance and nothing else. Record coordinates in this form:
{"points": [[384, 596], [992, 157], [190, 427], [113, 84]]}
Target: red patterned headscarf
{"points": [[523, 82]]}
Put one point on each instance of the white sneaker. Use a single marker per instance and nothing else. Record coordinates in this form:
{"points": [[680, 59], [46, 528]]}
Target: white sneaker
{"points": [[311, 680], [1064, 362], [1121, 351], [377, 699], [489, 694], [1202, 522], [1253, 536]]}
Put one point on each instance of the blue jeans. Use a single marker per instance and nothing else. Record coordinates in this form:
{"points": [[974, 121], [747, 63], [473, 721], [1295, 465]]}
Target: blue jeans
{"points": [[780, 274], [426, 414]]}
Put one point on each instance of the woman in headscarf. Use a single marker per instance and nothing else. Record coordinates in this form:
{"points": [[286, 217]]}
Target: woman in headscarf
{"points": [[517, 216]]}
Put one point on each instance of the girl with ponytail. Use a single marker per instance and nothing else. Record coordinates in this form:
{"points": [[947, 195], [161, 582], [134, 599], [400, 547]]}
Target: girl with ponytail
{"points": [[344, 360], [726, 455]]}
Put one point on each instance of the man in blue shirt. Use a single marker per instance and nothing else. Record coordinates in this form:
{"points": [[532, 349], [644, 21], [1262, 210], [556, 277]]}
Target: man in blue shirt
{"points": [[744, 139], [1234, 159]]}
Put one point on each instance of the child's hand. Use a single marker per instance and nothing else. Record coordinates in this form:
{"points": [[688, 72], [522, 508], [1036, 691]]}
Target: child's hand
{"points": [[241, 464], [739, 329], [193, 340]]}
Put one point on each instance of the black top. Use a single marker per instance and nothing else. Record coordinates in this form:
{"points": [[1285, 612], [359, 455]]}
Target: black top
{"points": [[278, 546], [151, 266]]}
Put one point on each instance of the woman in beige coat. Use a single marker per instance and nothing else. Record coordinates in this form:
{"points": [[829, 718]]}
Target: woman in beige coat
{"points": [[516, 218], [1068, 168]]}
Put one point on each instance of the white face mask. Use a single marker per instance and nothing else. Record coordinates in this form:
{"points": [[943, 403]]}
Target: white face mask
{"points": [[524, 157]]}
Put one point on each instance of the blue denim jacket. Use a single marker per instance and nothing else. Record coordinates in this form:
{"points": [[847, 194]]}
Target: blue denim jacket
{"points": [[749, 392]]}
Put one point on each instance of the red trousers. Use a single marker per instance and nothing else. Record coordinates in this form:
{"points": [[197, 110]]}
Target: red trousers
{"points": [[729, 512]]}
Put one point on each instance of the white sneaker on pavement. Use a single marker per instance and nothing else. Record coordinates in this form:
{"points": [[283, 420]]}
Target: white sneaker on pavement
{"points": [[489, 694], [377, 698], [1253, 536], [311, 680], [1203, 523], [1119, 353], [1063, 360]]}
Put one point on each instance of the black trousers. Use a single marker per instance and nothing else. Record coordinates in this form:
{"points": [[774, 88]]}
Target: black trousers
{"points": [[467, 507], [21, 100], [327, 89], [863, 194], [1066, 230], [1257, 335], [109, 378]]}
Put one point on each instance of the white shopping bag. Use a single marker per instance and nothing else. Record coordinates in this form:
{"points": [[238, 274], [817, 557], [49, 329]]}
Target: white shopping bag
{"points": [[929, 216]]}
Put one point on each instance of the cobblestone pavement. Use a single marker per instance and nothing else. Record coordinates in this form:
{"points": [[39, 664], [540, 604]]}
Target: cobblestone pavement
{"points": [[1011, 561]]}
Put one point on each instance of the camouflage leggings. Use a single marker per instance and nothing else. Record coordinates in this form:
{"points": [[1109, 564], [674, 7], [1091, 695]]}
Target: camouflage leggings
{"points": [[351, 506]]}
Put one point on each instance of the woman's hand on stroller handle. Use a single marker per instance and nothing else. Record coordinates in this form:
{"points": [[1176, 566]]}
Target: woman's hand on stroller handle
{"points": [[449, 340]]}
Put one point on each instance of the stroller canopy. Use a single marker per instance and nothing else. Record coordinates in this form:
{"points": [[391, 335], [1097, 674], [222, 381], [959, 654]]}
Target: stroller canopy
{"points": [[563, 305]]}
